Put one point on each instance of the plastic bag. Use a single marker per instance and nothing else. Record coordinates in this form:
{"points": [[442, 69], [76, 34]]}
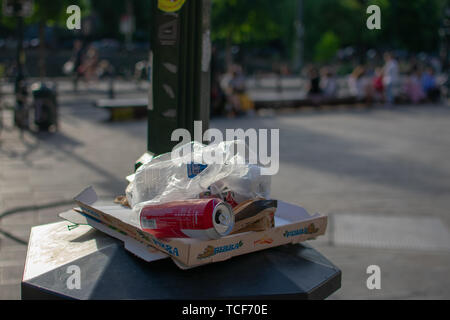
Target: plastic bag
{"points": [[170, 177]]}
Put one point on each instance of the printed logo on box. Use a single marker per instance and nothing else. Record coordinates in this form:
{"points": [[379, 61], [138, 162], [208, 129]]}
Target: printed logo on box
{"points": [[164, 246], [170, 5], [212, 251], [307, 230], [263, 240]]}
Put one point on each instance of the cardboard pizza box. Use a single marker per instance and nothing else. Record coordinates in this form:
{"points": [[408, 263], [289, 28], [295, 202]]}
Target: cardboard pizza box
{"points": [[293, 224]]}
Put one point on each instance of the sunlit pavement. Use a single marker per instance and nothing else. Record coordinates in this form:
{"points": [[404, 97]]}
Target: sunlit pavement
{"points": [[382, 175]]}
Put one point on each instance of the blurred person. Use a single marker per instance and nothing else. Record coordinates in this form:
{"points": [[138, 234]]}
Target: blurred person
{"points": [[368, 88], [430, 86], [356, 84], [284, 70], [412, 87], [225, 84], [378, 85], [314, 81], [446, 86], [238, 84], [77, 58], [276, 73], [225, 80], [360, 85], [314, 89], [391, 77], [234, 86], [281, 71], [218, 98], [328, 83], [104, 70], [72, 67], [217, 95], [89, 64], [436, 64], [141, 71]]}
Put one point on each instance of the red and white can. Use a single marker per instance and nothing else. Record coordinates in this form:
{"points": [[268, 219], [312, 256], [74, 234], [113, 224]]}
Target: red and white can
{"points": [[196, 218]]}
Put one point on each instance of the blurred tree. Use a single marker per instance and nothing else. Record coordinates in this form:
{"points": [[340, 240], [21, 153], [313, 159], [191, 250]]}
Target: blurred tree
{"points": [[327, 47], [256, 21], [46, 12], [405, 24], [110, 12], [413, 25], [344, 17], [51, 13]]}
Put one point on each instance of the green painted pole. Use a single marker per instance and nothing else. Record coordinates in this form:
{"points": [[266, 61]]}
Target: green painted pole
{"points": [[180, 70]]}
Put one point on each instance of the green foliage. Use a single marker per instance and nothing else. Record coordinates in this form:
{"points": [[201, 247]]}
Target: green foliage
{"points": [[413, 25], [327, 47], [245, 21], [51, 12], [406, 24], [109, 13]]}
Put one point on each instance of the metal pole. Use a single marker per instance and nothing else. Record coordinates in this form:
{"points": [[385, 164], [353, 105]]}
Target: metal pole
{"points": [[298, 55], [180, 70], [19, 53], [20, 90], [130, 15]]}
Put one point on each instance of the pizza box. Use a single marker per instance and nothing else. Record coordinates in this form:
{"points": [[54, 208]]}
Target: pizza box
{"points": [[293, 224]]}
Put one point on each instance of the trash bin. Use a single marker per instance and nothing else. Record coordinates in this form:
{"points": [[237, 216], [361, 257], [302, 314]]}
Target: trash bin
{"points": [[45, 106]]}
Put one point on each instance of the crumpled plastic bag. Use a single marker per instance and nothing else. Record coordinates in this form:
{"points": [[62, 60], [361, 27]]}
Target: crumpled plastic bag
{"points": [[180, 176]]}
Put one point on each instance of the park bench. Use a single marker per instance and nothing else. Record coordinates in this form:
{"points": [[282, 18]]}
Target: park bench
{"points": [[282, 101], [291, 92], [123, 109]]}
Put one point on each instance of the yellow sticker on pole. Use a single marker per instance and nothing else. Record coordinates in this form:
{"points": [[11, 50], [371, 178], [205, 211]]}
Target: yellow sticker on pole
{"points": [[170, 5]]}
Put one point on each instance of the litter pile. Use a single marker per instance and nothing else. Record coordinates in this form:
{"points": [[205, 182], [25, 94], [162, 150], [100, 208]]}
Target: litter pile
{"points": [[198, 204], [182, 194]]}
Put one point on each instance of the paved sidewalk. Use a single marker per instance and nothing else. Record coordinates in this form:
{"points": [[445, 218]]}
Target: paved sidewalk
{"points": [[40, 174], [382, 163]]}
